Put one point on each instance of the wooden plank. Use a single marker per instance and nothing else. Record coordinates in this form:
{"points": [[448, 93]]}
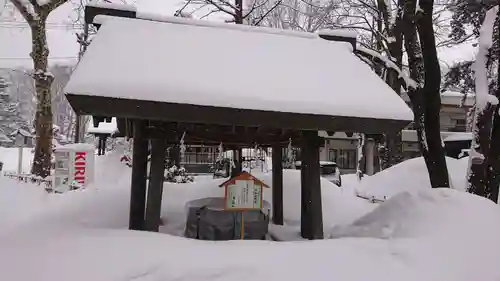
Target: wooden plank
{"points": [[139, 170], [155, 187], [277, 164], [311, 207]]}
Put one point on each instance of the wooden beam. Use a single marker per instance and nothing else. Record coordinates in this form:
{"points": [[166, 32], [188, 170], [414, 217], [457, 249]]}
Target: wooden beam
{"points": [[311, 207], [155, 187], [277, 164], [162, 111], [139, 170]]}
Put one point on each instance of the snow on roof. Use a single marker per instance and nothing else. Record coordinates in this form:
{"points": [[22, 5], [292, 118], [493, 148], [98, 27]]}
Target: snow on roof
{"points": [[22, 132], [450, 98], [338, 32], [411, 136], [232, 68], [113, 6], [103, 127], [3, 137], [459, 136], [321, 163], [456, 98]]}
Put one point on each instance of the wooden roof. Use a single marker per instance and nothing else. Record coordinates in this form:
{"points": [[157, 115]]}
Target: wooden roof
{"points": [[108, 100]]}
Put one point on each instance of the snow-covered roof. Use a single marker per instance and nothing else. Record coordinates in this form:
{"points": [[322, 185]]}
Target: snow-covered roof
{"points": [[22, 132], [106, 5], [3, 137], [456, 98], [338, 32], [103, 127], [451, 98], [411, 136], [247, 68], [458, 136], [321, 163]]}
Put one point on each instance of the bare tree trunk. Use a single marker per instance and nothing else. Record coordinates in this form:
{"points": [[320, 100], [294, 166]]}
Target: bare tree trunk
{"points": [[238, 18], [393, 28], [436, 162], [416, 64], [481, 143], [43, 117]]}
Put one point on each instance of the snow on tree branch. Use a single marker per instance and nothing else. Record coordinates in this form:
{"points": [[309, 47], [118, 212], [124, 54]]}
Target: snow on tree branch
{"points": [[27, 9], [485, 106], [374, 55], [480, 66]]}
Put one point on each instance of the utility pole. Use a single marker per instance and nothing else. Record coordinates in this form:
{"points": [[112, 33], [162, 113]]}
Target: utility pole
{"points": [[82, 39]]}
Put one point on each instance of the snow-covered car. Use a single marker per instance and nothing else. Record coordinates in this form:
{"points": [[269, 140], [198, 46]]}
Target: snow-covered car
{"points": [[329, 170]]}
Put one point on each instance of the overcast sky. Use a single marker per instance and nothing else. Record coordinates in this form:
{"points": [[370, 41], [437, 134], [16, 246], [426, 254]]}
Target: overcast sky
{"points": [[15, 43]]}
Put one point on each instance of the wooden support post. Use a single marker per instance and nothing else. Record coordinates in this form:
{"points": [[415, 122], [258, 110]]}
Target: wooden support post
{"points": [[370, 157], [139, 170], [104, 139], [175, 155], [155, 187], [99, 143], [238, 162], [277, 163], [311, 207]]}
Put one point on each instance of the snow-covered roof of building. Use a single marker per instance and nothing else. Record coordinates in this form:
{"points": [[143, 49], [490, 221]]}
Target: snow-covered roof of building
{"points": [[22, 132], [4, 138], [210, 65], [411, 136], [103, 127], [451, 98], [458, 136]]}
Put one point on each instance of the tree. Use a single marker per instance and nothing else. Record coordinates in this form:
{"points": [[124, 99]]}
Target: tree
{"points": [[36, 12], [237, 11], [10, 117], [480, 76], [435, 160], [423, 85]]}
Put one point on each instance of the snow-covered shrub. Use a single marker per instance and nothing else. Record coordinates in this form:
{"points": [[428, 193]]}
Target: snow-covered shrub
{"points": [[177, 175]]}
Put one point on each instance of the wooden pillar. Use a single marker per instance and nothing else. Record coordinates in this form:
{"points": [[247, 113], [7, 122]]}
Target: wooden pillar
{"points": [[238, 162], [139, 170], [277, 162], [175, 155], [155, 187], [311, 207], [104, 139], [370, 157], [99, 143]]}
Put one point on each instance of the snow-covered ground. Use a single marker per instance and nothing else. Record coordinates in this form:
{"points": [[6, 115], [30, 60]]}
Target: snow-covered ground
{"points": [[417, 234], [10, 156]]}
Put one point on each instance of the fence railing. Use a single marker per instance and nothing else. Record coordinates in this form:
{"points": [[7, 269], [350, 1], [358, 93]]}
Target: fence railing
{"points": [[48, 183]]}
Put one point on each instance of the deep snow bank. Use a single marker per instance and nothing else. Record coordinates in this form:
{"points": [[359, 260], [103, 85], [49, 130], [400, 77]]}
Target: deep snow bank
{"points": [[429, 212], [410, 175], [444, 235]]}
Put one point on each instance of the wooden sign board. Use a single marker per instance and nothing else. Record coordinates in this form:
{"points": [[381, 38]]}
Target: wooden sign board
{"points": [[243, 192]]}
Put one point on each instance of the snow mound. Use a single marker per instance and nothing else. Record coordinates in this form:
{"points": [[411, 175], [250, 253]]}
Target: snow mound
{"points": [[339, 206], [19, 201], [430, 212], [410, 175], [107, 205], [118, 255]]}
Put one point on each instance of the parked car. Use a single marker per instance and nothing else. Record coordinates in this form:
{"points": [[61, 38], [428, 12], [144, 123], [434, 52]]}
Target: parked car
{"points": [[329, 170]]}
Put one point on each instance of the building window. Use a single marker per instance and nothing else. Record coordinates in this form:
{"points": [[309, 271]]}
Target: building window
{"points": [[345, 158]]}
